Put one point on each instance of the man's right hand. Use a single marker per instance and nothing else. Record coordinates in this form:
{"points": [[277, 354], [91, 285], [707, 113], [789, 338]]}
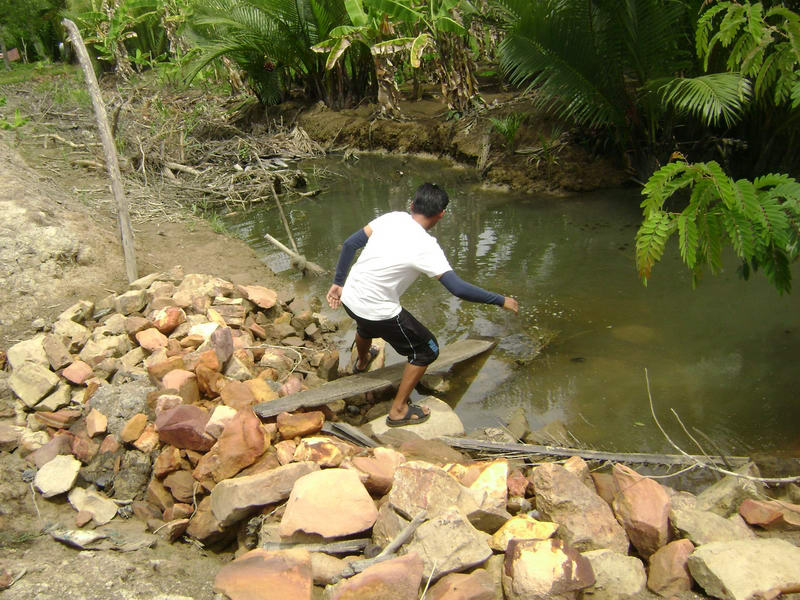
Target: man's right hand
{"points": [[334, 296], [511, 304]]}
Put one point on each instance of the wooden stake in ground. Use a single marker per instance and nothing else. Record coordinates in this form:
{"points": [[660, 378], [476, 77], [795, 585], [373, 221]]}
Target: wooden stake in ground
{"points": [[112, 164]]}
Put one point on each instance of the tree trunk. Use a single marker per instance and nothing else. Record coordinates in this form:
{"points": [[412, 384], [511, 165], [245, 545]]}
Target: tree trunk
{"points": [[455, 71], [387, 87]]}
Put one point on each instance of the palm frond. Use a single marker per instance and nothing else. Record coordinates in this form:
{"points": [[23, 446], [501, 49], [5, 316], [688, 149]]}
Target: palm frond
{"points": [[712, 98]]}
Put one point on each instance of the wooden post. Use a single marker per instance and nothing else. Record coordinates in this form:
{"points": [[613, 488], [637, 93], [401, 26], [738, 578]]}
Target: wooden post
{"points": [[112, 164]]}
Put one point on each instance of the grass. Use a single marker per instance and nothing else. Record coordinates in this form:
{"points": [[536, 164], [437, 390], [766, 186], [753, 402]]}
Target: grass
{"points": [[21, 72], [11, 538]]}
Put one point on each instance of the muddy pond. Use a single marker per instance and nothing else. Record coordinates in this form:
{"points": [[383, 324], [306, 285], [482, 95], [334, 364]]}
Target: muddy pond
{"points": [[589, 335]]}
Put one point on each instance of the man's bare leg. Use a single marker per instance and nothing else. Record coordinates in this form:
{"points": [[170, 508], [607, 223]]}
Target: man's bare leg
{"points": [[362, 347], [411, 376]]}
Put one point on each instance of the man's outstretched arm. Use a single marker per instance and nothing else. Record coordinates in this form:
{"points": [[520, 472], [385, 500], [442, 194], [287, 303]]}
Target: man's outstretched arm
{"points": [[349, 247], [466, 291]]}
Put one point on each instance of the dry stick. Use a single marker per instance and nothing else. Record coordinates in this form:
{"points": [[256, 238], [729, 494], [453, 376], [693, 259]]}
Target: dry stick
{"points": [[112, 164], [401, 538], [706, 465], [283, 217], [313, 267]]}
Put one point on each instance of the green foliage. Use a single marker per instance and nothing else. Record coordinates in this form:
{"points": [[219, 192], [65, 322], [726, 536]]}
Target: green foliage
{"points": [[136, 24], [759, 219], [32, 26], [590, 62], [764, 45], [18, 121], [508, 126]]}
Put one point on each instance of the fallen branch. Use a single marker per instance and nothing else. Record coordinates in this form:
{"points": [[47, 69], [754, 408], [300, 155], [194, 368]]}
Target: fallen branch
{"points": [[343, 547], [182, 168], [387, 553], [298, 260]]}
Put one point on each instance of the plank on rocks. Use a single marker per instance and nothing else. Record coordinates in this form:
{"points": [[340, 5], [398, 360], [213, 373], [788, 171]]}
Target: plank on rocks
{"points": [[372, 381]]}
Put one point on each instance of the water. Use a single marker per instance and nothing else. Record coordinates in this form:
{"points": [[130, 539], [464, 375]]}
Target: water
{"points": [[722, 357]]}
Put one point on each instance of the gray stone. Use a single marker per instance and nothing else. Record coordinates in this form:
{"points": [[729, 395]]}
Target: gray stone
{"points": [[120, 402], [130, 302], [234, 499], [61, 397], [74, 335], [31, 382], [617, 577], [585, 519], [449, 543], [421, 486], [31, 350], [725, 496], [703, 527], [109, 346], [737, 570], [133, 477], [78, 312]]}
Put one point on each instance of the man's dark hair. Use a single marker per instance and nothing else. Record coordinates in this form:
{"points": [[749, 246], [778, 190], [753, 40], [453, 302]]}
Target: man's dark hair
{"points": [[429, 200]]}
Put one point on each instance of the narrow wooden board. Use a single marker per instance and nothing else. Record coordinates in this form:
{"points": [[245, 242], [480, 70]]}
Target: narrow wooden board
{"points": [[634, 458], [372, 381]]}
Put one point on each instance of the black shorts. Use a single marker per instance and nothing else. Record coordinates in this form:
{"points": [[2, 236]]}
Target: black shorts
{"points": [[404, 333]]}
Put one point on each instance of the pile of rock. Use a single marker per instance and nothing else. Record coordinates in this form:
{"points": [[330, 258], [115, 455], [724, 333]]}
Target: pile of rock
{"points": [[142, 404]]}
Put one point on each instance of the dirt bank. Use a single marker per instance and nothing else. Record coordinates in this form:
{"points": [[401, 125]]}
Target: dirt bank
{"points": [[541, 156]]}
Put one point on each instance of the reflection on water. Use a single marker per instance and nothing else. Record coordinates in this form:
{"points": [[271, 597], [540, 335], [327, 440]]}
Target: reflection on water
{"points": [[721, 356]]}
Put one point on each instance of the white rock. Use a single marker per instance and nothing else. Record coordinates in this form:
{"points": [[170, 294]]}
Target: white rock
{"points": [[57, 476], [443, 421]]}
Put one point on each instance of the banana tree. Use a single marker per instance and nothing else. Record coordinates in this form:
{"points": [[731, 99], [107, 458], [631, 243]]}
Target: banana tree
{"points": [[452, 62], [374, 30], [441, 24]]}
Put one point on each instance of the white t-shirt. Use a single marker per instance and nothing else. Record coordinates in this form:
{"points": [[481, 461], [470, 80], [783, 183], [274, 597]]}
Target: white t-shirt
{"points": [[397, 251]]}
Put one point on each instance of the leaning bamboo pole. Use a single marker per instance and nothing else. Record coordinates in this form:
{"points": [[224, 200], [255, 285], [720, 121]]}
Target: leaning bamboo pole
{"points": [[112, 163]]}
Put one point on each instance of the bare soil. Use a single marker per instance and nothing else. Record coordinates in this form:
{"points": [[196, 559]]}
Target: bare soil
{"points": [[59, 243]]}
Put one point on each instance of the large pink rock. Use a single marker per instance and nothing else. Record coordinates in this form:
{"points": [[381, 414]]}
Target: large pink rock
{"points": [[241, 443], [770, 514], [184, 382], [184, 427], [642, 506], [78, 372], [585, 520], [151, 339], [261, 296], [668, 574], [379, 469], [396, 579], [331, 503], [478, 585], [264, 575], [167, 319]]}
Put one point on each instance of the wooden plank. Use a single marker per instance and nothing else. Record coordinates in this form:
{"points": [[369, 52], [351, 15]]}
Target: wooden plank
{"points": [[348, 433], [342, 547], [635, 458], [372, 381]]}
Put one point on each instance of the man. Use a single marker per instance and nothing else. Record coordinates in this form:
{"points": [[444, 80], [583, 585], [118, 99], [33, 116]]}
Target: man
{"points": [[397, 248]]}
